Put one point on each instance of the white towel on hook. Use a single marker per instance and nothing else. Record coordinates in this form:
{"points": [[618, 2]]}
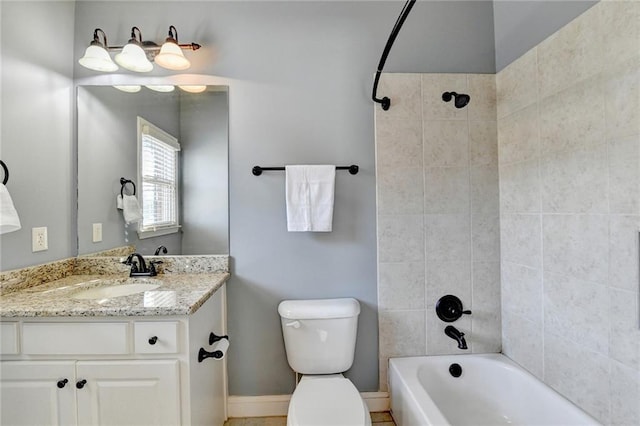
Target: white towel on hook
{"points": [[9, 220], [131, 210], [309, 196]]}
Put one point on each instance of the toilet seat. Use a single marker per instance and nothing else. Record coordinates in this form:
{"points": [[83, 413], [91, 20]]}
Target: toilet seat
{"points": [[330, 400]]}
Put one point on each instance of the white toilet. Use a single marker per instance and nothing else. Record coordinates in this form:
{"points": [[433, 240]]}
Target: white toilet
{"points": [[320, 340]]}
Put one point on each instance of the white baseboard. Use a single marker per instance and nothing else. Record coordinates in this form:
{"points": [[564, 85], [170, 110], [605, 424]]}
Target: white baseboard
{"points": [[278, 405]]}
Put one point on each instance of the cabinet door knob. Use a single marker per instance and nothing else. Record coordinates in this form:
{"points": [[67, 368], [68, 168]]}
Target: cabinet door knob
{"points": [[62, 383], [153, 340], [81, 384]]}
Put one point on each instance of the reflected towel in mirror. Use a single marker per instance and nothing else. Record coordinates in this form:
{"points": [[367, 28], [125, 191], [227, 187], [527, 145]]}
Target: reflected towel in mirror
{"points": [[131, 210]]}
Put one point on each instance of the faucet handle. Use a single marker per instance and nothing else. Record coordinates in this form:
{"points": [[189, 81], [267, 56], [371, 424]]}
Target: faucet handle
{"points": [[152, 267], [449, 308]]}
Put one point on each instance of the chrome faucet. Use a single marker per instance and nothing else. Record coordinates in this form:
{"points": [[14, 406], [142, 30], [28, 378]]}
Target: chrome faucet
{"points": [[139, 266], [456, 335]]}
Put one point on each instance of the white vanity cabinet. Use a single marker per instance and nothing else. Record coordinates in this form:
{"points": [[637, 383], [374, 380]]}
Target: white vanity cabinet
{"points": [[141, 370]]}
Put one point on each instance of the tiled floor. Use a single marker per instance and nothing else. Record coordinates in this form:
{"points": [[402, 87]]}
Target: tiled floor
{"points": [[378, 419]]}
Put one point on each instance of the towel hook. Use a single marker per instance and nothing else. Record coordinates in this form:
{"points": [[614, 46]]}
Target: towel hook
{"points": [[6, 172], [124, 182]]}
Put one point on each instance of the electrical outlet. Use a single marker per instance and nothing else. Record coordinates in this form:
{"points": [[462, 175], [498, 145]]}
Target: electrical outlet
{"points": [[39, 240], [97, 232]]}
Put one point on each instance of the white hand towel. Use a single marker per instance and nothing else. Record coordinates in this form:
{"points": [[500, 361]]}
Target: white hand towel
{"points": [[309, 195], [131, 209], [9, 220]]}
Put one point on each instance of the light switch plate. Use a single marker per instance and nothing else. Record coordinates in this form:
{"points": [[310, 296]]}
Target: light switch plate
{"points": [[39, 240]]}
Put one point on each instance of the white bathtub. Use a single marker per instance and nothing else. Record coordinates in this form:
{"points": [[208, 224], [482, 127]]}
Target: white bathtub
{"points": [[492, 390]]}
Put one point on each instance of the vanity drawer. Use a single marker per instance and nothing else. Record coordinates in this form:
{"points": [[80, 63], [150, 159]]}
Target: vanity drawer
{"points": [[157, 337], [9, 338], [75, 338]]}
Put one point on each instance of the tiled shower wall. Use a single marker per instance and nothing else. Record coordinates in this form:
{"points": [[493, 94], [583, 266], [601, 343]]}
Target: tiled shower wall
{"points": [[569, 149], [438, 214]]}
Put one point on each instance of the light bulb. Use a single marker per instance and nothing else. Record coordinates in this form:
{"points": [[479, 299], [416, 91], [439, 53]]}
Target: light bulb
{"points": [[161, 87], [194, 88], [128, 88], [97, 58], [171, 57], [133, 58]]}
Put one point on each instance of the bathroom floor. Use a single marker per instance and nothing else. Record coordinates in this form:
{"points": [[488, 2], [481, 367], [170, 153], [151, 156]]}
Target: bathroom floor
{"points": [[378, 419]]}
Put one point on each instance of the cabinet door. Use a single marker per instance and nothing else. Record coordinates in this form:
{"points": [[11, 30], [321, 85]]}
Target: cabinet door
{"points": [[208, 382], [30, 394], [128, 393]]}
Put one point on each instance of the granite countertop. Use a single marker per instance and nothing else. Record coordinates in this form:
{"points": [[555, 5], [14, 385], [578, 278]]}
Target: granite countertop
{"points": [[178, 294]]}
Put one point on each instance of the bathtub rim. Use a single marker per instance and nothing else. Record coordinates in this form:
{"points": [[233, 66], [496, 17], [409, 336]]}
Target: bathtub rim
{"points": [[420, 399], [401, 366]]}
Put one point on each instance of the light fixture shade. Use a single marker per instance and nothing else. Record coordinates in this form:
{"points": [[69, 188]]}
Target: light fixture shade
{"points": [[133, 58], [129, 88], [192, 88], [161, 87], [97, 58], [171, 57]]}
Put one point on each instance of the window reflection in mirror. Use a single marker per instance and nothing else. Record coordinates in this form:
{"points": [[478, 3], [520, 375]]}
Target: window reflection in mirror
{"points": [[108, 150]]}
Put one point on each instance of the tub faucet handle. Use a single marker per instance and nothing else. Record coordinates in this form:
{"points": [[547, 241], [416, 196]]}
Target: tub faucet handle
{"points": [[449, 308]]}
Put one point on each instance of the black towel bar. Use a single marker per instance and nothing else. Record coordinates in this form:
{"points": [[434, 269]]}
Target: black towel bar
{"points": [[124, 182], [6, 172], [257, 170]]}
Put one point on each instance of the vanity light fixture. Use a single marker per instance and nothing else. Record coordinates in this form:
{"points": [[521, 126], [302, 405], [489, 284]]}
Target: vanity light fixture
{"points": [[137, 54], [171, 56], [194, 88], [96, 57], [161, 87], [129, 88], [133, 56]]}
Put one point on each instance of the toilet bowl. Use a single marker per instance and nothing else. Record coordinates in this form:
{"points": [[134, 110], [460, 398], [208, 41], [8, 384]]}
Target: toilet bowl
{"points": [[330, 400], [320, 338]]}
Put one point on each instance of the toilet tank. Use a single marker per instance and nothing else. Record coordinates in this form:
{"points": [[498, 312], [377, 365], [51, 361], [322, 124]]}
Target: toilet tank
{"points": [[320, 335]]}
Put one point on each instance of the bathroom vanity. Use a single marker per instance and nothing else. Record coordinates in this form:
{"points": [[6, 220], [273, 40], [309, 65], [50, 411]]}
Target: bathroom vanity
{"points": [[144, 358]]}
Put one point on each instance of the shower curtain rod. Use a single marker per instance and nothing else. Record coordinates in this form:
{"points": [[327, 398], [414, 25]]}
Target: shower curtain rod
{"points": [[386, 102]]}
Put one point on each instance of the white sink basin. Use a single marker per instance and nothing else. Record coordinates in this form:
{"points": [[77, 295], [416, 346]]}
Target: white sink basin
{"points": [[112, 291]]}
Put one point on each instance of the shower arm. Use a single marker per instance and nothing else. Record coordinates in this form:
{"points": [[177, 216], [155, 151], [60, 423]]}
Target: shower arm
{"points": [[386, 102]]}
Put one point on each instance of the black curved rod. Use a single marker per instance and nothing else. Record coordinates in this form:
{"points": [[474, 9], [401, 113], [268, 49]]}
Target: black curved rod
{"points": [[123, 182], [6, 172], [386, 102]]}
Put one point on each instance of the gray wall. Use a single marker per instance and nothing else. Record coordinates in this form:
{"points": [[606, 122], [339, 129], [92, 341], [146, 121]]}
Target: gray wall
{"points": [[204, 134], [520, 25], [37, 130], [108, 150]]}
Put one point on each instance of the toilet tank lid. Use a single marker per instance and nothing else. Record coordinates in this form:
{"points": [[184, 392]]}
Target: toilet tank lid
{"points": [[319, 308]]}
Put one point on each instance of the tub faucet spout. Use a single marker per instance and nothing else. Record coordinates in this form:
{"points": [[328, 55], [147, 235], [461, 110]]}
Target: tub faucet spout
{"points": [[456, 335]]}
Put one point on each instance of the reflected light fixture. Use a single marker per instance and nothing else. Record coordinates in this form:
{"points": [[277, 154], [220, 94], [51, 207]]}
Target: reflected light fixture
{"points": [[194, 88], [171, 56], [96, 57], [160, 87], [133, 56], [129, 88], [137, 54]]}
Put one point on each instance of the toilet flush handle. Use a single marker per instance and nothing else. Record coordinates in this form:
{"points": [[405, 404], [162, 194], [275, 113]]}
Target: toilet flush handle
{"points": [[294, 324]]}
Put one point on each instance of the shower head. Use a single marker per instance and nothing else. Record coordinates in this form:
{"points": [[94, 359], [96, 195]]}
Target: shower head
{"points": [[461, 100]]}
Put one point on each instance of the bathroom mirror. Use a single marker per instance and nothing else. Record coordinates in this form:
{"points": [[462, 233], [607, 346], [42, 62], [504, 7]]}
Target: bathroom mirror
{"points": [[107, 135]]}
